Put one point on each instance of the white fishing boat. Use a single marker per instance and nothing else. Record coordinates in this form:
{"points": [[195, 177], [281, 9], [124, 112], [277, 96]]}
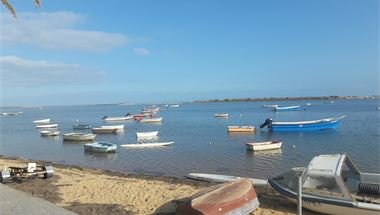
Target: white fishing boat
{"points": [[331, 184], [270, 106], [79, 137], [49, 132], [151, 120], [150, 134], [224, 178], [118, 127], [10, 113], [46, 126], [267, 145], [141, 145], [103, 130], [81, 126], [242, 128], [100, 147], [287, 108], [174, 106], [41, 121], [221, 115], [122, 118]]}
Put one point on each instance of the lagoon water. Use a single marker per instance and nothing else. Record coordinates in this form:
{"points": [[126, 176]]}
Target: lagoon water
{"points": [[202, 143]]}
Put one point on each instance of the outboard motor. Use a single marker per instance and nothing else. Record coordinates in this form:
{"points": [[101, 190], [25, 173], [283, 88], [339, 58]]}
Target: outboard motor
{"points": [[104, 117], [128, 114], [268, 122]]}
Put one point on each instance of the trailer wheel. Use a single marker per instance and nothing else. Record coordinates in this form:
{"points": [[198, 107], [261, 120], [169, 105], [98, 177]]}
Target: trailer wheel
{"points": [[48, 171], [5, 176]]}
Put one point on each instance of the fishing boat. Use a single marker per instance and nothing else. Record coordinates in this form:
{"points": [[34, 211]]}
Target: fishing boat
{"points": [[41, 126], [117, 127], [81, 126], [242, 128], [321, 124], [267, 145], [270, 106], [151, 120], [331, 184], [10, 113], [103, 130], [49, 132], [156, 144], [41, 121], [123, 118], [79, 137], [221, 115], [100, 147], [223, 178], [287, 108], [143, 135], [174, 106], [235, 197]]}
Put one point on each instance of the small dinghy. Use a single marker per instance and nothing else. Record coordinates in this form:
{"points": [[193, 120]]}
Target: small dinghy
{"points": [[41, 121], [156, 144], [221, 115], [146, 135], [243, 128], [103, 130], [151, 120], [268, 145], [223, 178], [331, 184], [81, 126], [78, 137], [46, 126], [270, 106], [122, 118], [49, 132], [100, 147], [117, 127], [287, 108], [236, 197]]}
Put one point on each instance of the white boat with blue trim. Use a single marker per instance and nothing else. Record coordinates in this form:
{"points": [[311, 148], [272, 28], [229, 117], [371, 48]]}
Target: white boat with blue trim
{"points": [[332, 184], [100, 147]]}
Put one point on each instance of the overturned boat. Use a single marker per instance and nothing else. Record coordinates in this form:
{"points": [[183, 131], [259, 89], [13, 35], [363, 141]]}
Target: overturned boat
{"points": [[331, 184], [321, 124]]}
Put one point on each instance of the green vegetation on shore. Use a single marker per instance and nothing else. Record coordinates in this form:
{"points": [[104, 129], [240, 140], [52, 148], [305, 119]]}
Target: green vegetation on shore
{"points": [[287, 98]]}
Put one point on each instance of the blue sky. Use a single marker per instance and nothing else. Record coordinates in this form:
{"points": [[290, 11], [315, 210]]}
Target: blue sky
{"points": [[74, 52]]}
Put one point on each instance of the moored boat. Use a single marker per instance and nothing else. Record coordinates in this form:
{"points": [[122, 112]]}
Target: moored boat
{"points": [[321, 124], [150, 134], [103, 130], [81, 126], [117, 127], [41, 121], [270, 106], [221, 115], [287, 108], [122, 118], [242, 128], [235, 197], [49, 132], [100, 147], [79, 136], [151, 120], [267, 145], [174, 106], [331, 184], [156, 144], [41, 126]]}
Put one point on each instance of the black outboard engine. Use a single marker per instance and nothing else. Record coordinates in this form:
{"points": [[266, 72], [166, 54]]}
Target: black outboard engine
{"points": [[268, 122], [128, 114], [104, 117]]}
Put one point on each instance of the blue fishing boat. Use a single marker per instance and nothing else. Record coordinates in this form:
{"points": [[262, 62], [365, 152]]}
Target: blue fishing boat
{"points": [[287, 108], [321, 124], [100, 147]]}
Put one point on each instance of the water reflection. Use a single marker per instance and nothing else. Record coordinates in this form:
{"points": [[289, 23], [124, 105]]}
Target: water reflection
{"points": [[102, 155]]}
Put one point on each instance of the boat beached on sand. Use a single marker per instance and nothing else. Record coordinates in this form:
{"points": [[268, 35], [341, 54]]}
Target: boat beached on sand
{"points": [[260, 146], [328, 123], [331, 184]]}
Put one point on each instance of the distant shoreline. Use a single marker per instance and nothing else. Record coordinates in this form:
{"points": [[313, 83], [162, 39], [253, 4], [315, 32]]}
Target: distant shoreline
{"points": [[287, 99]]}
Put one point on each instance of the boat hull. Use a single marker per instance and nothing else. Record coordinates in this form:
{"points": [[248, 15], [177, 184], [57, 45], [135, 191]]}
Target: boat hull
{"points": [[240, 128], [93, 147], [141, 145], [306, 127], [263, 147], [79, 137]]}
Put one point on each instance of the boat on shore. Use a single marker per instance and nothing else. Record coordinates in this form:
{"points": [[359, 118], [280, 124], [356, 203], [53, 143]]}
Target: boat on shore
{"points": [[151, 120], [321, 124], [331, 184], [242, 128], [143, 135], [221, 115], [103, 130], [100, 147], [287, 108], [140, 145], [78, 137], [41, 126], [41, 121], [235, 197], [267, 145], [224, 178], [49, 132]]}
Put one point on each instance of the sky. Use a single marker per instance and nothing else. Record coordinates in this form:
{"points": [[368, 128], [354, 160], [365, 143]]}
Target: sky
{"points": [[148, 51]]}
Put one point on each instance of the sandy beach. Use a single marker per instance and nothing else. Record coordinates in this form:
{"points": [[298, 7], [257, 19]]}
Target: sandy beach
{"points": [[93, 191]]}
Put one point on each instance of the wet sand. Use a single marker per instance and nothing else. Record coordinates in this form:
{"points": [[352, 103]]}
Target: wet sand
{"points": [[93, 191]]}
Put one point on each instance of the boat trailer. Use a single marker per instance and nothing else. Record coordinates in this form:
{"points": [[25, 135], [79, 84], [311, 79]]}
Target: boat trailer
{"points": [[32, 171]]}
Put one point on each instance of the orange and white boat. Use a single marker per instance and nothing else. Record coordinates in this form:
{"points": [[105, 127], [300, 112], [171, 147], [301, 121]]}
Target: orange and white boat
{"points": [[243, 128]]}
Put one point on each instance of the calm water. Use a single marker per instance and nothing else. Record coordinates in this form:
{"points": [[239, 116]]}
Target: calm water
{"points": [[202, 143]]}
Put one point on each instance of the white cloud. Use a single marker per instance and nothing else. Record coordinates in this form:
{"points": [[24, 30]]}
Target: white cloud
{"points": [[18, 72], [55, 31], [141, 51]]}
